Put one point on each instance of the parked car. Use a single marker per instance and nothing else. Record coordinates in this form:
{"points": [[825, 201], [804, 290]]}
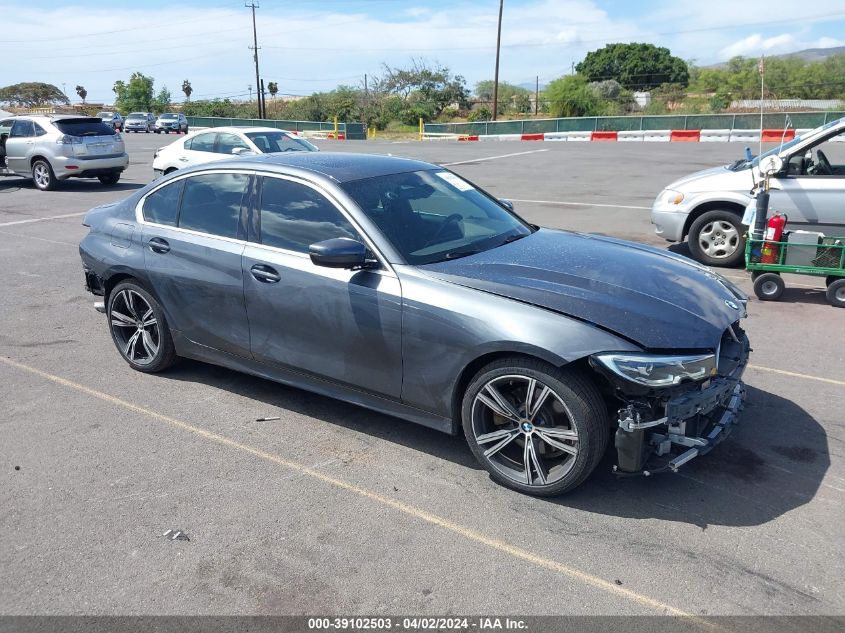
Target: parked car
{"points": [[140, 122], [52, 148], [399, 286], [112, 118], [218, 143], [706, 207], [171, 122]]}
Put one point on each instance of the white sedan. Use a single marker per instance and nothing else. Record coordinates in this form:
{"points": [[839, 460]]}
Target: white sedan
{"points": [[210, 144]]}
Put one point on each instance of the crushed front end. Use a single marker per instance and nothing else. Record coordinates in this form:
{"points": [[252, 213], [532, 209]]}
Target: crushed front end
{"points": [[674, 407]]}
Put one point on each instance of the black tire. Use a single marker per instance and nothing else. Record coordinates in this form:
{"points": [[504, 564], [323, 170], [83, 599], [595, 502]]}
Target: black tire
{"points": [[722, 234], [572, 405], [769, 287], [186, 129], [836, 293], [123, 327], [110, 179], [43, 175]]}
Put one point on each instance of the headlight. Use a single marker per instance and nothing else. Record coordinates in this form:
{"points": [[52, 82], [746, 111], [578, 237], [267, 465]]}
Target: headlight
{"points": [[671, 197], [659, 371]]}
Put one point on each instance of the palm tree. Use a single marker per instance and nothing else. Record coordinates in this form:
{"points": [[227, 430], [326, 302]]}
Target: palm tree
{"points": [[273, 88], [82, 92], [186, 88]]}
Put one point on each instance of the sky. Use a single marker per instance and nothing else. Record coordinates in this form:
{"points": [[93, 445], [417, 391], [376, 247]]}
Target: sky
{"points": [[315, 45]]}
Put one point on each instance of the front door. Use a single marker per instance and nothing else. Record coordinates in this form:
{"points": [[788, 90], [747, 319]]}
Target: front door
{"points": [[192, 255], [19, 145], [342, 325], [812, 192]]}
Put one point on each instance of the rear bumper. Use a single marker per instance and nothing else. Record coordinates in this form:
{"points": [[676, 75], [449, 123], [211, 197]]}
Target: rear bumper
{"points": [[88, 167]]}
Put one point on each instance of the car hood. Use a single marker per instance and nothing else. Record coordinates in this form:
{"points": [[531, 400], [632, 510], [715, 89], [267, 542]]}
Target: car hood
{"points": [[683, 183], [659, 300]]}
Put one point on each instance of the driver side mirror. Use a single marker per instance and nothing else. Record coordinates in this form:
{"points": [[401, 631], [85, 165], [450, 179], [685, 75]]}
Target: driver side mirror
{"points": [[770, 165], [243, 151], [340, 252], [506, 203]]}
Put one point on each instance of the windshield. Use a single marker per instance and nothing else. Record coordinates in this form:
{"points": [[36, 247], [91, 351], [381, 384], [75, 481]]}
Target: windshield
{"points": [[431, 216], [137, 115], [274, 142], [105, 115], [168, 116]]}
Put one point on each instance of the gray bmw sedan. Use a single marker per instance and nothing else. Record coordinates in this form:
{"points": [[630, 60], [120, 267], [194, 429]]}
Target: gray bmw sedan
{"points": [[399, 286]]}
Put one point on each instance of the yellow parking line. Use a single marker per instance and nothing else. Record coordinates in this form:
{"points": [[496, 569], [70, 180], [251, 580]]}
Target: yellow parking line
{"points": [[796, 374], [405, 508]]}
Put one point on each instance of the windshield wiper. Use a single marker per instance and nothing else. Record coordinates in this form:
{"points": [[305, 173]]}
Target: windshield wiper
{"points": [[459, 254], [513, 238]]}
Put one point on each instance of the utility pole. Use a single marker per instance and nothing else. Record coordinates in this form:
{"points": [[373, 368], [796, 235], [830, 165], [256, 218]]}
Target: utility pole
{"points": [[537, 96], [254, 49], [498, 47], [263, 99]]}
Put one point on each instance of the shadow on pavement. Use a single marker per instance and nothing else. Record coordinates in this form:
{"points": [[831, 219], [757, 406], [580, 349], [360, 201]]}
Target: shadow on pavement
{"points": [[772, 463]]}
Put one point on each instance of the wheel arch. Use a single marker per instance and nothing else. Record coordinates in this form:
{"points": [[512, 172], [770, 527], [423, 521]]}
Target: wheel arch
{"points": [[713, 205], [474, 366]]}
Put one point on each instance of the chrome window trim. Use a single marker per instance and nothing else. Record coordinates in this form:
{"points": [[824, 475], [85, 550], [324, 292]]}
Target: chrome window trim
{"points": [[386, 267]]}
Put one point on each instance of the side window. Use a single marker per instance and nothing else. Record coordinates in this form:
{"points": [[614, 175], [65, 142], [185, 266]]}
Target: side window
{"points": [[212, 203], [827, 158], [39, 131], [227, 143], [22, 129], [162, 204], [203, 142], [294, 216]]}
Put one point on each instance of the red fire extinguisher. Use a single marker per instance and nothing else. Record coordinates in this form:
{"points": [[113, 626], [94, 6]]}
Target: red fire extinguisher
{"points": [[774, 233]]}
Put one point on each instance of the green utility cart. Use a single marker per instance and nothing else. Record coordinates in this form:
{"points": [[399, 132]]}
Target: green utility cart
{"points": [[803, 253]]}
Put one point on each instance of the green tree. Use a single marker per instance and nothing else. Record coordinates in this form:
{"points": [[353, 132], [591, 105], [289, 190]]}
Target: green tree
{"points": [[511, 98], [635, 66], [572, 96], [32, 95], [161, 103], [137, 95], [82, 92], [187, 89], [426, 91]]}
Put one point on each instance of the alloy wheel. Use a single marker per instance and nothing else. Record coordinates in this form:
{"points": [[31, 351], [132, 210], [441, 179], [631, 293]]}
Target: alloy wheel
{"points": [[41, 174], [719, 239], [135, 327], [524, 430]]}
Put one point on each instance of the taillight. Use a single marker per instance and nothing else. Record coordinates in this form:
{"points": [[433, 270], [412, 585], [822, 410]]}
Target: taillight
{"points": [[67, 139]]}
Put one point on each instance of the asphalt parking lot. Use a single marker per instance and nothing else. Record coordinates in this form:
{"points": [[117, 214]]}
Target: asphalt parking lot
{"points": [[334, 509]]}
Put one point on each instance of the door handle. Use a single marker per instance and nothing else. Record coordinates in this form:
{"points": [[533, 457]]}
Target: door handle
{"points": [[183, 159], [158, 245], [265, 274]]}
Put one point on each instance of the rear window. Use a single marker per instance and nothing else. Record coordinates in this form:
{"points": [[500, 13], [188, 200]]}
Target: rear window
{"points": [[84, 127]]}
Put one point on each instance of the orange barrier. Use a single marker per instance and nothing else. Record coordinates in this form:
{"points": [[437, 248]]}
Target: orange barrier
{"points": [[468, 137], [685, 136], [775, 136], [603, 136], [532, 137]]}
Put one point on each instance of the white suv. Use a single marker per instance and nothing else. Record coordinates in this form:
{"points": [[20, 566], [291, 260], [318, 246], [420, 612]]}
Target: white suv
{"points": [[51, 148], [706, 207]]}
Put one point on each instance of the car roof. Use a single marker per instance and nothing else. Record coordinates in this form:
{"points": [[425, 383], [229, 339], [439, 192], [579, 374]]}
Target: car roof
{"points": [[242, 129], [340, 167]]}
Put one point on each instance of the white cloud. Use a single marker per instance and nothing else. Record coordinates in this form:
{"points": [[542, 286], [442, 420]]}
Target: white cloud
{"points": [[755, 45]]}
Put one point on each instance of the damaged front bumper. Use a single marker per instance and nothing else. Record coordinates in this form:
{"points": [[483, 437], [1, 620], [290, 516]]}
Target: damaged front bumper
{"points": [[662, 433]]}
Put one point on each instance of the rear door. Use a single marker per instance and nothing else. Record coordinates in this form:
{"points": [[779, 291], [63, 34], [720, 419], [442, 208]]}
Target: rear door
{"points": [[196, 150], [194, 236]]}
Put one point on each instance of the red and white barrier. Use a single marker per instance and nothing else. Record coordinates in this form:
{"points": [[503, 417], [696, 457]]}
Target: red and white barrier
{"points": [[648, 136]]}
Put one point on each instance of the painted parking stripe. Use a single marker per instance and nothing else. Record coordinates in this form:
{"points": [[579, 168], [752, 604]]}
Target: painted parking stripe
{"points": [[405, 508], [578, 204], [52, 217], [480, 160], [795, 374]]}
